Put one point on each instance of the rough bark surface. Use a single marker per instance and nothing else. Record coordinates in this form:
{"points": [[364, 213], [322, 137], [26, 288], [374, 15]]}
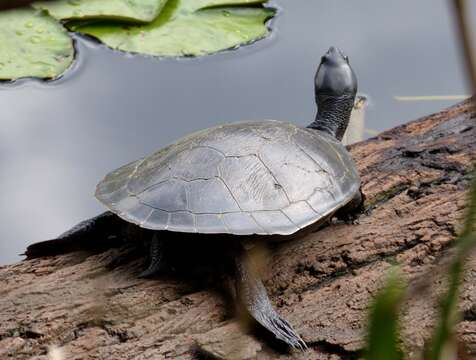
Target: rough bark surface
{"points": [[415, 179]]}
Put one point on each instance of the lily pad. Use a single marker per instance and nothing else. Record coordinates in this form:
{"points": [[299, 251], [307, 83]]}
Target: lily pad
{"points": [[128, 10], [186, 28], [33, 44]]}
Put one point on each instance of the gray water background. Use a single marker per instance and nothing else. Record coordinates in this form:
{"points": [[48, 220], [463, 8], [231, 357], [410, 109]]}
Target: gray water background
{"points": [[58, 139]]}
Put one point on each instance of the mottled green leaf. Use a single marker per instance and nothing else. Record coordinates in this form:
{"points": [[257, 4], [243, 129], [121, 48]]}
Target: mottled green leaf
{"points": [[186, 28], [130, 10], [33, 44]]}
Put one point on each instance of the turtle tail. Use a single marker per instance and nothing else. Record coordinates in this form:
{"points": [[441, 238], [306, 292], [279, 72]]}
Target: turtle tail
{"points": [[252, 295], [91, 234]]}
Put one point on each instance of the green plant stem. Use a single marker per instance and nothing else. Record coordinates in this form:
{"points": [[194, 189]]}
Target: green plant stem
{"points": [[464, 32], [448, 312], [383, 341]]}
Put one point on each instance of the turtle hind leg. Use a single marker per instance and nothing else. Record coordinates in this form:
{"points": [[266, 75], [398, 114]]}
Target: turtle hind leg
{"points": [[87, 235], [252, 294], [157, 263]]}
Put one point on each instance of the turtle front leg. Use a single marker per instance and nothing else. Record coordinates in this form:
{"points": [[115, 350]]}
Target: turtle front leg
{"points": [[90, 234], [354, 208], [252, 294], [157, 259]]}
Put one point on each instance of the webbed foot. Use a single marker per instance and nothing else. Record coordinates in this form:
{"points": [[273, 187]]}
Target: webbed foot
{"points": [[253, 296]]}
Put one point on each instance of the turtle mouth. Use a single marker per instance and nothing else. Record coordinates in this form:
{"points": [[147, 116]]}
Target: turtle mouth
{"points": [[334, 56]]}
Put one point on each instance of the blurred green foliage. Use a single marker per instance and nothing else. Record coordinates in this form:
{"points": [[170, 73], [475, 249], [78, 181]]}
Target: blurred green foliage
{"points": [[383, 332], [383, 341], [443, 344], [465, 243]]}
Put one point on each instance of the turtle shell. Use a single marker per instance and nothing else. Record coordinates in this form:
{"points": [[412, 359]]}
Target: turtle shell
{"points": [[262, 177]]}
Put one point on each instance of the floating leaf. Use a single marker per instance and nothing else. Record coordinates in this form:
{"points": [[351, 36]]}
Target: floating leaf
{"points": [[33, 45], [129, 10], [186, 27]]}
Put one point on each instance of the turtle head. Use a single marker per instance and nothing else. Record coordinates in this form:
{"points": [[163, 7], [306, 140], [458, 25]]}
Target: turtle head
{"points": [[335, 77], [335, 89]]}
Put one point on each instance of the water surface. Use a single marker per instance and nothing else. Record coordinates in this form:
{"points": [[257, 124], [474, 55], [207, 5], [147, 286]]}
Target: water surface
{"points": [[58, 140]]}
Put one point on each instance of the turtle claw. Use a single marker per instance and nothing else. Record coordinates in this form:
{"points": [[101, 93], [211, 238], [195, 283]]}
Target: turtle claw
{"points": [[283, 331]]}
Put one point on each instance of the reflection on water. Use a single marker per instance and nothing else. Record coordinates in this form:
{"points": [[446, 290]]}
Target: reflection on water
{"points": [[58, 140]]}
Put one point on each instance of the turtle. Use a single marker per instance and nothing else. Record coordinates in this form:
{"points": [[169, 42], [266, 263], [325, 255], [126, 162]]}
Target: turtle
{"points": [[242, 182]]}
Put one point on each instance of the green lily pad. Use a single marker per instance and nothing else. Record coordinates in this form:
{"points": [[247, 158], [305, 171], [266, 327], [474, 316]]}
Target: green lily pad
{"points": [[186, 28], [129, 10], [33, 44]]}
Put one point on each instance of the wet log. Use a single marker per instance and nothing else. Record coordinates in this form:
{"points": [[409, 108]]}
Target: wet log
{"points": [[415, 179]]}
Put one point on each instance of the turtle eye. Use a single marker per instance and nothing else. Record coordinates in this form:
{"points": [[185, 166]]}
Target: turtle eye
{"points": [[346, 58]]}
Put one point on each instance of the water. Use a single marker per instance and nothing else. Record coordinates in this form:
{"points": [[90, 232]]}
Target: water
{"points": [[58, 140]]}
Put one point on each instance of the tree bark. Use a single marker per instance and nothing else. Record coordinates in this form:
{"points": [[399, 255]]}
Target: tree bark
{"points": [[415, 179]]}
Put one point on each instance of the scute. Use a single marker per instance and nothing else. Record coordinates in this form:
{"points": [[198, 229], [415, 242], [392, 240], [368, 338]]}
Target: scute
{"points": [[240, 223], [197, 155], [211, 223], [262, 177], [156, 219], [294, 166], [253, 185], [210, 196], [274, 222], [182, 221], [300, 212], [170, 195]]}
